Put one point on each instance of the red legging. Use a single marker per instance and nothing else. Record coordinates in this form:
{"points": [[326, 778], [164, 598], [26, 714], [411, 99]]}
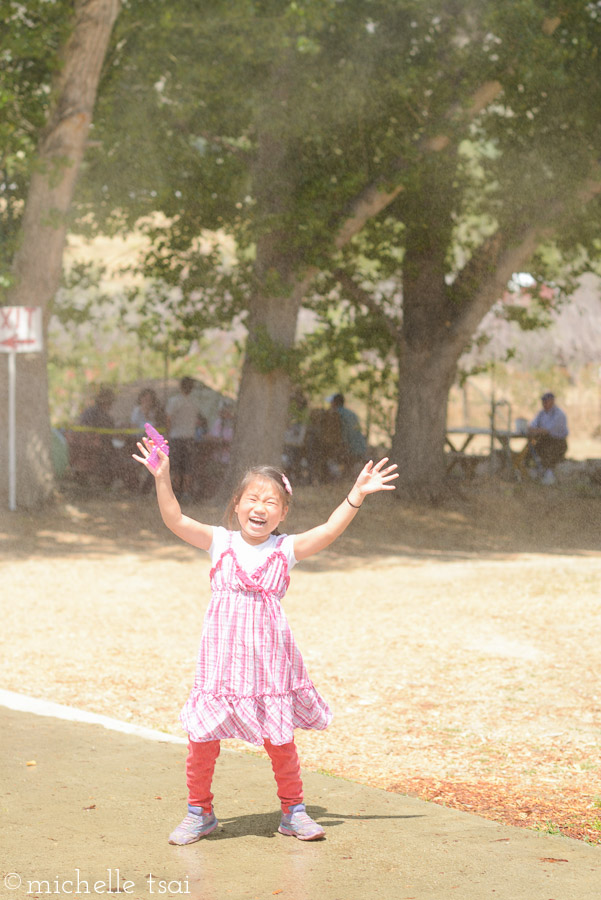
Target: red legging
{"points": [[200, 766]]}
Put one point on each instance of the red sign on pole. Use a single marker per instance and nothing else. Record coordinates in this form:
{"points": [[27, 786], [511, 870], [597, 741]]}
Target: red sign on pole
{"points": [[20, 329]]}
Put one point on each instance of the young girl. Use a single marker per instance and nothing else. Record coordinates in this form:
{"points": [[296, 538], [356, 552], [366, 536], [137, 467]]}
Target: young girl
{"points": [[251, 682]]}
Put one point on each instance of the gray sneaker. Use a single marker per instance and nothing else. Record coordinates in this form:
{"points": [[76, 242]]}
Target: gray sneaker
{"points": [[296, 823], [194, 827]]}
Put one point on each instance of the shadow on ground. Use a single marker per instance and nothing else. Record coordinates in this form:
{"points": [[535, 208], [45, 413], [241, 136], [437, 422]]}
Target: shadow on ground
{"points": [[491, 520]]}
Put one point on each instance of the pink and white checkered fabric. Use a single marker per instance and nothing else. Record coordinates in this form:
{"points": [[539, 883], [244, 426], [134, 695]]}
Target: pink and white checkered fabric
{"points": [[251, 682]]}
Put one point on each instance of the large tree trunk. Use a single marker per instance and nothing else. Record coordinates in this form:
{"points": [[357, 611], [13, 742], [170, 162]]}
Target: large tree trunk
{"points": [[438, 323], [38, 262], [262, 410], [425, 378], [263, 397], [428, 349]]}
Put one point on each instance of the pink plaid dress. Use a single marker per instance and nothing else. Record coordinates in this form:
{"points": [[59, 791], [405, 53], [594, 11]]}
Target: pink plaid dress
{"points": [[251, 682]]}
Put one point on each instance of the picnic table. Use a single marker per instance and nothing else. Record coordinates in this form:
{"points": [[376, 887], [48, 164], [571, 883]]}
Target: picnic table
{"points": [[459, 439], [101, 453]]}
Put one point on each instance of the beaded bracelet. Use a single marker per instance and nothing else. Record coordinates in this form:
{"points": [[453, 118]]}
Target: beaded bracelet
{"points": [[352, 504]]}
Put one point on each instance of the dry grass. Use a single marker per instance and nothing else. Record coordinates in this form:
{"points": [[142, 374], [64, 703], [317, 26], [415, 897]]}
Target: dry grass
{"points": [[458, 646]]}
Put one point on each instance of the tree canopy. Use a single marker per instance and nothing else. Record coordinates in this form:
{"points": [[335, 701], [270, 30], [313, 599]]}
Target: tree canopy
{"points": [[400, 157], [33, 35], [410, 154]]}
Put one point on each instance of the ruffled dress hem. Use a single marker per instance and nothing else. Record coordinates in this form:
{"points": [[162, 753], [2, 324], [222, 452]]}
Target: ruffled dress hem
{"points": [[273, 717]]}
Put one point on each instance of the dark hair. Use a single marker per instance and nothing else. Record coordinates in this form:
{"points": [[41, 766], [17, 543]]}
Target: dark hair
{"points": [[268, 473], [186, 384], [105, 395], [148, 392]]}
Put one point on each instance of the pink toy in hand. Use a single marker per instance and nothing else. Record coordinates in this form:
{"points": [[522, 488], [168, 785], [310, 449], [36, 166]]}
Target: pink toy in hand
{"points": [[159, 443]]}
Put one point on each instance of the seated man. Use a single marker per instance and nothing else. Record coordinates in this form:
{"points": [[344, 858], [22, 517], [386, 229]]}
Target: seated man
{"points": [[354, 441], [324, 446], [548, 432]]}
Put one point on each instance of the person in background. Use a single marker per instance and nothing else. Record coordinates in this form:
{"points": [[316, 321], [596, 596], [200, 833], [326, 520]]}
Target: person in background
{"points": [[352, 436], [548, 432], [98, 415], [202, 429], [221, 434], [183, 415], [296, 433], [93, 451], [216, 449], [148, 409]]}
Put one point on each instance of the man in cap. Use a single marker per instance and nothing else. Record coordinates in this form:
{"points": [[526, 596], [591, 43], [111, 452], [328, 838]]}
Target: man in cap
{"points": [[548, 433]]}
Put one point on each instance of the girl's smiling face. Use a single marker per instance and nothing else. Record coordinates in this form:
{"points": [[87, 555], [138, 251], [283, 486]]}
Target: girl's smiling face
{"points": [[260, 510]]}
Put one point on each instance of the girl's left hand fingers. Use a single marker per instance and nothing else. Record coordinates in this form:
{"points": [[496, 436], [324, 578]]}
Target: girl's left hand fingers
{"points": [[381, 463], [380, 470]]}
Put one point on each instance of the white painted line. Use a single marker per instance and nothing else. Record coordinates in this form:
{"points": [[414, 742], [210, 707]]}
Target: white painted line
{"points": [[23, 703]]}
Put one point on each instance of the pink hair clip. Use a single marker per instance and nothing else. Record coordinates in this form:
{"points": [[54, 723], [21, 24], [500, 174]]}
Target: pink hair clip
{"points": [[286, 484]]}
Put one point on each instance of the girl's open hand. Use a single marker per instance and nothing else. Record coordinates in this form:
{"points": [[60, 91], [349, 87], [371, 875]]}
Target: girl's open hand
{"points": [[373, 478], [145, 447]]}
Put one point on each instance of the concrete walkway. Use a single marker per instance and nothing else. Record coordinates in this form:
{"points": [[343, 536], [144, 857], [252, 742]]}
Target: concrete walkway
{"points": [[98, 805]]}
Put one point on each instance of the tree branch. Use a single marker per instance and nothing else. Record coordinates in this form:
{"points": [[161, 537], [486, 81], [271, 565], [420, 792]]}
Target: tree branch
{"points": [[376, 197], [361, 296], [503, 254]]}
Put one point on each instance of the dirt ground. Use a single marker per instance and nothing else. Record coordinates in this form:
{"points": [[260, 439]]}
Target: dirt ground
{"points": [[458, 646]]}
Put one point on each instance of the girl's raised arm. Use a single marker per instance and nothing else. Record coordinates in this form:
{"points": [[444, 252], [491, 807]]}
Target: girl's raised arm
{"points": [[196, 533], [371, 479]]}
